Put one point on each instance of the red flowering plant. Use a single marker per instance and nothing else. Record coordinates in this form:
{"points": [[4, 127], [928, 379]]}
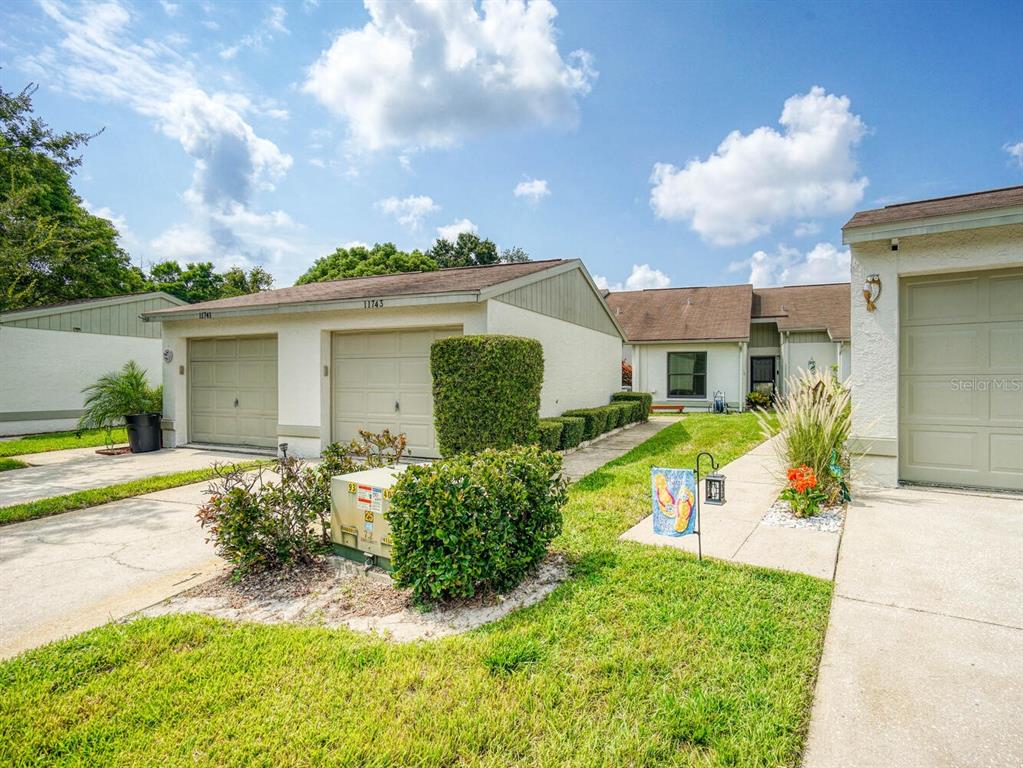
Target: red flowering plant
{"points": [[802, 492]]}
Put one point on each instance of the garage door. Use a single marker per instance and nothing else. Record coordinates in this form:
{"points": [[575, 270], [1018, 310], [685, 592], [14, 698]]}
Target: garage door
{"points": [[233, 390], [961, 379], [382, 381]]}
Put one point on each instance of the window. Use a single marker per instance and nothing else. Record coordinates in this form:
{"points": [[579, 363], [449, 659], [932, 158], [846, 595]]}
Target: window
{"points": [[687, 374]]}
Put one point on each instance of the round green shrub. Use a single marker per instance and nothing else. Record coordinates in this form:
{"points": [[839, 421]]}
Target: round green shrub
{"points": [[474, 522], [486, 392]]}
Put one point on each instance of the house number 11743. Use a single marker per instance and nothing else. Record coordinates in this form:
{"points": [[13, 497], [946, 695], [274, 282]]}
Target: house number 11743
{"points": [[372, 303]]}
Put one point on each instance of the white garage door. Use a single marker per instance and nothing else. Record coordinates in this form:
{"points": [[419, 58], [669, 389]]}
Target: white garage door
{"points": [[961, 379], [382, 381], [232, 390]]}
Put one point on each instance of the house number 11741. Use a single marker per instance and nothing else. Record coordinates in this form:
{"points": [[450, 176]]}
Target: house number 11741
{"points": [[372, 303]]}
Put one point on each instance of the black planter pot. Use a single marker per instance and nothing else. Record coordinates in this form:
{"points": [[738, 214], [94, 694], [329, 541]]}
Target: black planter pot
{"points": [[143, 432]]}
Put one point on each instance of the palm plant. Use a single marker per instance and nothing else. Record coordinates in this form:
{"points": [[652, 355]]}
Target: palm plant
{"points": [[119, 394], [815, 416]]}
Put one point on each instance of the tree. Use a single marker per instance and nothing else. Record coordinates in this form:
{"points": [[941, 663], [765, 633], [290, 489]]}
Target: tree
{"points": [[359, 261], [469, 250], [514, 255], [199, 282], [52, 248]]}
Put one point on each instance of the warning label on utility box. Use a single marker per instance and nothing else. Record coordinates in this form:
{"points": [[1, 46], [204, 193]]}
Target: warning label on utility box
{"points": [[369, 499]]}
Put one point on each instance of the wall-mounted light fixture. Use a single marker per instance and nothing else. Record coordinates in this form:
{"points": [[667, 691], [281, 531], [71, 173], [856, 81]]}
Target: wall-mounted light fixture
{"points": [[872, 291]]}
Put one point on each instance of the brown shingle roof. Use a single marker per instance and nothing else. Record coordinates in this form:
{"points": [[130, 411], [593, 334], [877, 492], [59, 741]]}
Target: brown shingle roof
{"points": [[940, 206], [454, 280], [806, 308], [684, 314]]}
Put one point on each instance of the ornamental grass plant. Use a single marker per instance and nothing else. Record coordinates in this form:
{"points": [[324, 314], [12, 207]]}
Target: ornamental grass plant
{"points": [[814, 417]]}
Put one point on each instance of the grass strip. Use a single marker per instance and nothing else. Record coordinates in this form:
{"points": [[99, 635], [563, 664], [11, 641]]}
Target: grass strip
{"points": [[645, 657], [60, 441], [6, 464], [30, 510]]}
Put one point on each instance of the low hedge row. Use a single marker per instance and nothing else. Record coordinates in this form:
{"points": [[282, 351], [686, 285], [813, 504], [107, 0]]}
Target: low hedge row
{"points": [[550, 434], [475, 522], [644, 398], [571, 432]]}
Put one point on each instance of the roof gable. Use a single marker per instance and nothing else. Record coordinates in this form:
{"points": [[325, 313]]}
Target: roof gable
{"points": [[806, 308]]}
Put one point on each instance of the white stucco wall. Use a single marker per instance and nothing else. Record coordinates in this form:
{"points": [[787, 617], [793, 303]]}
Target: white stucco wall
{"points": [[726, 371], [799, 354], [45, 371], [875, 335], [582, 367], [303, 349]]}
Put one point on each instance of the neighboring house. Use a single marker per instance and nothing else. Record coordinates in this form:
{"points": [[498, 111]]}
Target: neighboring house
{"points": [[49, 354], [315, 363], [686, 344], [938, 364]]}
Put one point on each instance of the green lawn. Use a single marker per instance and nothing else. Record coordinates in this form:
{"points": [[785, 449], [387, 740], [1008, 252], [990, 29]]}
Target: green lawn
{"points": [[644, 658], [59, 441], [6, 464], [54, 505]]}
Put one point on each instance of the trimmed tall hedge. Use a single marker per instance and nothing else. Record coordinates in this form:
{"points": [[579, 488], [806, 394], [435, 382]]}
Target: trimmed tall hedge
{"points": [[550, 434], [486, 392], [475, 522], [572, 430], [625, 412], [645, 398]]}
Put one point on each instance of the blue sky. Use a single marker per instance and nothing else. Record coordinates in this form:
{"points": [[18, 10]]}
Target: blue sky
{"points": [[681, 144]]}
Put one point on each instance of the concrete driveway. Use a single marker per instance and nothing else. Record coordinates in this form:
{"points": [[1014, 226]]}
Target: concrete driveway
{"points": [[64, 574], [923, 659], [78, 469]]}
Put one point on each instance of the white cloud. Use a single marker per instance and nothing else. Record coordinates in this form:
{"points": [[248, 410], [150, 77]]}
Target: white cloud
{"points": [[1015, 152], [533, 190], [100, 57], [789, 266], [755, 180], [454, 229], [409, 211], [642, 277], [807, 228], [272, 24], [429, 74], [171, 9]]}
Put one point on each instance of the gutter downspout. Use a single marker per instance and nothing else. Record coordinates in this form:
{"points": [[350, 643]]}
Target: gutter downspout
{"points": [[784, 361], [742, 378]]}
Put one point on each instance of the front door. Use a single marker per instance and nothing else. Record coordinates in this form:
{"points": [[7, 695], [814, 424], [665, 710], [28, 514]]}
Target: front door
{"points": [[762, 374]]}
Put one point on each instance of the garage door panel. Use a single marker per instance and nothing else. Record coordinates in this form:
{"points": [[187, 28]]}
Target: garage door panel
{"points": [[1006, 345], [1006, 298], [233, 390], [1006, 398], [930, 447], [1006, 453], [942, 348], [926, 398], [961, 379], [373, 371], [942, 300]]}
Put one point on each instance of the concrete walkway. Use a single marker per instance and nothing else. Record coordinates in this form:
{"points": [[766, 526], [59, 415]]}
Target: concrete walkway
{"points": [[64, 574], [734, 531], [78, 469], [582, 461], [923, 659]]}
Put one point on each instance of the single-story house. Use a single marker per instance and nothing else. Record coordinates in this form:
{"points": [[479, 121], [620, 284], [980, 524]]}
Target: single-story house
{"points": [[49, 354], [312, 364], [937, 324], [686, 344]]}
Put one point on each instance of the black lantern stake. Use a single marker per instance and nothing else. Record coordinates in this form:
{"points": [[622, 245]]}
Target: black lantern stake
{"points": [[714, 494]]}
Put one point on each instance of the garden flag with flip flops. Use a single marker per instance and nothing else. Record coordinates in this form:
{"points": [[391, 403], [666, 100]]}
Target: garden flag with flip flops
{"points": [[673, 494]]}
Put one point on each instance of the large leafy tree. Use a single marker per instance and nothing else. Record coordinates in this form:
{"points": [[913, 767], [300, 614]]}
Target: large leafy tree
{"points": [[468, 250], [200, 282], [359, 261], [51, 248]]}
